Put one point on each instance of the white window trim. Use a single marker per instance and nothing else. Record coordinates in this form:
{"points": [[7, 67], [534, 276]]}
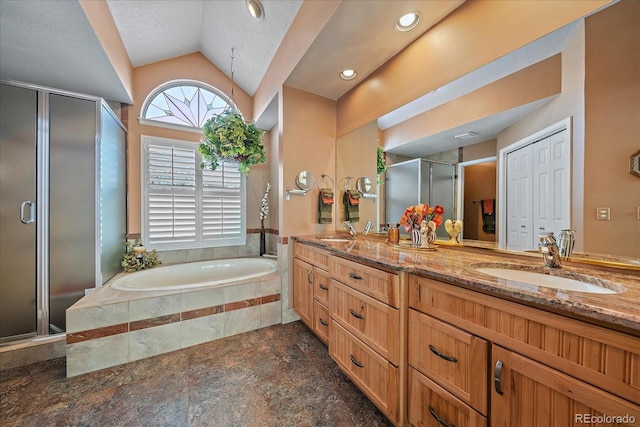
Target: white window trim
{"points": [[199, 242]]}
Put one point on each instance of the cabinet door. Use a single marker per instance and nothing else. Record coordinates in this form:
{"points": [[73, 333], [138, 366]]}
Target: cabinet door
{"points": [[431, 405], [303, 291], [527, 393]]}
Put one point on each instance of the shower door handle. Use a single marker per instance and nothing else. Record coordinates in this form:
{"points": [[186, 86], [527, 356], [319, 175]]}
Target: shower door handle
{"points": [[23, 217]]}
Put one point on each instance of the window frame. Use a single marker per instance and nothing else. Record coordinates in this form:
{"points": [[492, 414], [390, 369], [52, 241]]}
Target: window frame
{"points": [[199, 241]]}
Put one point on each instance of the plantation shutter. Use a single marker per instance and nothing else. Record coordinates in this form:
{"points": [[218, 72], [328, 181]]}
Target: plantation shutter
{"points": [[186, 206]]}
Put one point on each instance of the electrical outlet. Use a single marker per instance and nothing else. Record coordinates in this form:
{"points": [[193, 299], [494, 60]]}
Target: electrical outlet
{"points": [[638, 214], [603, 214]]}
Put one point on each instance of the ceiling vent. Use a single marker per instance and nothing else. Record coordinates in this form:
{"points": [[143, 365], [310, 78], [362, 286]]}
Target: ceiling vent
{"points": [[465, 135]]}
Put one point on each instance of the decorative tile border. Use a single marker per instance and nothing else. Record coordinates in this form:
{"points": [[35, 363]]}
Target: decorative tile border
{"points": [[81, 336]]}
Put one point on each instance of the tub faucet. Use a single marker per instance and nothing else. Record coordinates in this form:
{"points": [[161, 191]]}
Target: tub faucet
{"points": [[549, 249], [349, 227], [367, 227]]}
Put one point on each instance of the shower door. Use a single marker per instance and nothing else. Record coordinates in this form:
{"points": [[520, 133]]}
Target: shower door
{"points": [[18, 297]]}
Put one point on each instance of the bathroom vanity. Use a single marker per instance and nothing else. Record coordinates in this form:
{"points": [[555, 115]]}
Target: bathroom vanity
{"points": [[432, 340]]}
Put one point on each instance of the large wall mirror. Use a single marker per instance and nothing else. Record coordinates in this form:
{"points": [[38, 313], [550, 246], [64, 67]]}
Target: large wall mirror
{"points": [[588, 96]]}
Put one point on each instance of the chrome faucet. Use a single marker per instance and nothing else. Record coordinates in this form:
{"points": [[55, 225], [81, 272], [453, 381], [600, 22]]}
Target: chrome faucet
{"points": [[349, 227], [549, 249], [367, 227]]}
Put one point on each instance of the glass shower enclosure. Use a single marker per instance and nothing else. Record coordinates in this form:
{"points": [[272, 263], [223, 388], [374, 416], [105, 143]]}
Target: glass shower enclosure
{"points": [[53, 243]]}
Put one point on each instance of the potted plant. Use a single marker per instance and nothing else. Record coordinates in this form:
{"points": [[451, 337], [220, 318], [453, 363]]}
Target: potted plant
{"points": [[229, 136]]}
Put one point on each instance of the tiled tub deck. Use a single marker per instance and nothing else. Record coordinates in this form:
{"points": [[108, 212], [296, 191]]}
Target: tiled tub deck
{"points": [[109, 327]]}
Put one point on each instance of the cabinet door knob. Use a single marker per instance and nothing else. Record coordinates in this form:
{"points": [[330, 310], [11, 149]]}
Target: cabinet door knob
{"points": [[324, 288], [323, 322], [497, 377], [355, 276], [442, 356], [437, 418], [309, 276]]}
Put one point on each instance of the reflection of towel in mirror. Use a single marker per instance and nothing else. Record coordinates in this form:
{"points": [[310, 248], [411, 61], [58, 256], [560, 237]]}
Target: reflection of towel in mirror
{"points": [[488, 217], [325, 203], [351, 200]]}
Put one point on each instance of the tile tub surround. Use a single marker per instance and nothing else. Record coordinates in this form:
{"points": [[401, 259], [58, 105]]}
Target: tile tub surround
{"points": [[456, 265], [108, 327]]}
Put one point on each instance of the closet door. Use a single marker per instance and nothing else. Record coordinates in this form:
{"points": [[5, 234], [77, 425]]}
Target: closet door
{"points": [[519, 199], [18, 121]]}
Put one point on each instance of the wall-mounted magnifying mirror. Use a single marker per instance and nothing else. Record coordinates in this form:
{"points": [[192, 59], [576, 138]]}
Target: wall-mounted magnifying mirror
{"points": [[365, 187], [635, 164], [304, 180]]}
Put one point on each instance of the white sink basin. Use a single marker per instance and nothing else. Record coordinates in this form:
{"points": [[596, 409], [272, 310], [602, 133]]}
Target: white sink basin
{"points": [[335, 239], [546, 280]]}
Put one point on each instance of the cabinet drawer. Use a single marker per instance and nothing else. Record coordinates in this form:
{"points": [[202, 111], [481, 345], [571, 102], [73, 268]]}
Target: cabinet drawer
{"points": [[378, 284], [321, 321], [373, 374], [605, 358], [375, 323], [431, 405], [321, 286], [312, 255], [454, 358]]}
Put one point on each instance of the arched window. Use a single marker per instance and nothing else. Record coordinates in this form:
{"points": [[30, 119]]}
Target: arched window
{"points": [[184, 206], [183, 103]]}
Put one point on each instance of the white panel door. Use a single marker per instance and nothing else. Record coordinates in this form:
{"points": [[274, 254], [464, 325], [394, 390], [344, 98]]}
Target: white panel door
{"points": [[519, 199], [552, 189]]}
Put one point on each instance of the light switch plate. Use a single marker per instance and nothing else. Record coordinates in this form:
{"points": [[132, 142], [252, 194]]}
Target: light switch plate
{"points": [[603, 214]]}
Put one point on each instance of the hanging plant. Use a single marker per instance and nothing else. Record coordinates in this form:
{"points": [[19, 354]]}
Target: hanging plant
{"points": [[228, 136], [382, 166]]}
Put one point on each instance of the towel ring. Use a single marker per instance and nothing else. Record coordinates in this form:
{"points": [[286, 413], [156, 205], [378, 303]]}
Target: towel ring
{"points": [[346, 182], [333, 184]]}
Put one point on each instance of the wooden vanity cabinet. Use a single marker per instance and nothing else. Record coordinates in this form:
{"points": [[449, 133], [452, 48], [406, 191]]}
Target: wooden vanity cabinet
{"points": [[311, 288], [366, 338], [546, 369]]}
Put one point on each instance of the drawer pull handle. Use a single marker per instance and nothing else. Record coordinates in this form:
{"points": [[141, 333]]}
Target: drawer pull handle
{"points": [[497, 377], [310, 276], [324, 288], [323, 322], [442, 356], [356, 315], [355, 362], [438, 419], [355, 276]]}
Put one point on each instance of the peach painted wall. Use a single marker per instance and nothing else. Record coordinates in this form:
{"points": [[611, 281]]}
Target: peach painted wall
{"points": [[475, 34], [356, 156], [147, 78], [307, 142], [612, 110], [530, 84], [570, 103], [102, 22]]}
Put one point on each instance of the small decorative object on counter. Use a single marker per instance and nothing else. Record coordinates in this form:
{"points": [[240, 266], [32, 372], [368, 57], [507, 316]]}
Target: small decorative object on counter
{"points": [[138, 258], [454, 229], [394, 233], [414, 216]]}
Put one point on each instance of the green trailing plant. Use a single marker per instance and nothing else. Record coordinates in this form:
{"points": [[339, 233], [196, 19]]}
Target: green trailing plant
{"points": [[228, 136], [382, 166], [133, 261]]}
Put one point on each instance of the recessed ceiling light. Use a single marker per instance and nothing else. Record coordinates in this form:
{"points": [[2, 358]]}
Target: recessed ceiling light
{"points": [[465, 135], [408, 22], [348, 75], [255, 8]]}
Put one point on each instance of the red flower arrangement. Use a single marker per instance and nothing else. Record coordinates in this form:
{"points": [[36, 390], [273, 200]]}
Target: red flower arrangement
{"points": [[414, 215]]}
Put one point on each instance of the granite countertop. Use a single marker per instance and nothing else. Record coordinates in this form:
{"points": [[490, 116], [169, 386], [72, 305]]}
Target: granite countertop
{"points": [[458, 265]]}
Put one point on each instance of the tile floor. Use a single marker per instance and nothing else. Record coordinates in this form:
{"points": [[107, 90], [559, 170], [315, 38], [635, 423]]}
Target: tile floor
{"points": [[276, 376]]}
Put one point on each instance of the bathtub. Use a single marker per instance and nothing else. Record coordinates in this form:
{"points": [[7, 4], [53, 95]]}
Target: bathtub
{"points": [[195, 274], [163, 309]]}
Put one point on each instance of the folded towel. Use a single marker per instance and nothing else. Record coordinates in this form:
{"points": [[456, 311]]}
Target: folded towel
{"points": [[487, 206], [488, 217], [325, 203], [351, 200]]}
